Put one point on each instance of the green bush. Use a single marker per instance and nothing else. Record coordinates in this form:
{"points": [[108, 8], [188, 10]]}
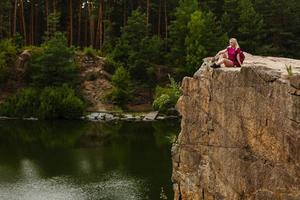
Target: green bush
{"points": [[167, 97], [162, 103], [24, 104], [60, 103], [33, 49], [7, 58], [110, 65], [52, 103], [55, 65], [121, 93], [90, 51]]}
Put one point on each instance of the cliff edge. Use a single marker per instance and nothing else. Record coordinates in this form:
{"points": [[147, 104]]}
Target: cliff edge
{"points": [[240, 133]]}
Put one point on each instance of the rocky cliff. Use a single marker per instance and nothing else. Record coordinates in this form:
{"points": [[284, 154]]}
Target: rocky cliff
{"points": [[240, 133]]}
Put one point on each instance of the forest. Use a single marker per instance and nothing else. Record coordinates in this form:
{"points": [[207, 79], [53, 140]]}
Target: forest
{"points": [[139, 37], [269, 27]]}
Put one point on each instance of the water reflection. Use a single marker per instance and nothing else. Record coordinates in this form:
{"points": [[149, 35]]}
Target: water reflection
{"points": [[84, 160], [113, 186]]}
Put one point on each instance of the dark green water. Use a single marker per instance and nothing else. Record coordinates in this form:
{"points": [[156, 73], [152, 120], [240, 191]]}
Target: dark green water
{"points": [[64, 160]]}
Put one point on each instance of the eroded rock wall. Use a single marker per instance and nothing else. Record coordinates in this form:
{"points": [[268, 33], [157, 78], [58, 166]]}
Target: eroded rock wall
{"points": [[240, 136]]}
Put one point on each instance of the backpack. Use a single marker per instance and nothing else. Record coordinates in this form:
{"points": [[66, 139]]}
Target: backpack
{"points": [[242, 56]]}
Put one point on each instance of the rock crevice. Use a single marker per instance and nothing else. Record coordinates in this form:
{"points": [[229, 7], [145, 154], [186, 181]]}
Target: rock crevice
{"points": [[240, 136]]}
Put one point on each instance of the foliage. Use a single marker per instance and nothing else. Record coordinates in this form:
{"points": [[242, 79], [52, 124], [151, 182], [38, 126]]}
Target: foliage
{"points": [[60, 103], [230, 17], [162, 194], [7, 58], [51, 103], [110, 38], [52, 26], [203, 39], [179, 30], [91, 26], [282, 24], [166, 97], [90, 51], [289, 69], [121, 93], [251, 26], [4, 18], [132, 35], [55, 65], [23, 104], [178, 33], [34, 50], [136, 50], [110, 65]]}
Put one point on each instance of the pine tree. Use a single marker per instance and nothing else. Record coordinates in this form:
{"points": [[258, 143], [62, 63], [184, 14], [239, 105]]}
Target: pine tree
{"points": [[204, 39], [136, 50], [282, 25], [251, 26], [55, 65], [5, 6], [179, 30], [215, 6], [132, 35], [230, 18]]}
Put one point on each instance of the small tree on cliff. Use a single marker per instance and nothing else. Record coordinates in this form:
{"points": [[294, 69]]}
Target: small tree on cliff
{"points": [[204, 38], [55, 65]]}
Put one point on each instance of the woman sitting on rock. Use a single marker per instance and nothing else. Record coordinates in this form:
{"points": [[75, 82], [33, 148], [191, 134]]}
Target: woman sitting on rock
{"points": [[230, 56]]}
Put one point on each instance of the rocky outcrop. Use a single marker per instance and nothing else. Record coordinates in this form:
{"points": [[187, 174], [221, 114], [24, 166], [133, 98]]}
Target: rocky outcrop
{"points": [[95, 82], [240, 136]]}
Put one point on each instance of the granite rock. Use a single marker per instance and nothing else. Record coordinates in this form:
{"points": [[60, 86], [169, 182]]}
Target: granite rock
{"points": [[240, 136]]}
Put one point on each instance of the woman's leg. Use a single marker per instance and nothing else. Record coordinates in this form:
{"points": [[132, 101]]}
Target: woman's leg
{"points": [[226, 62]]}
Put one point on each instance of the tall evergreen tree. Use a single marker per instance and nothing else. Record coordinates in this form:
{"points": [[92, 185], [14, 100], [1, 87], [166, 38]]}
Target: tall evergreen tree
{"points": [[251, 26], [204, 39], [4, 18], [179, 29], [215, 6], [132, 35], [136, 50], [282, 25], [230, 18]]}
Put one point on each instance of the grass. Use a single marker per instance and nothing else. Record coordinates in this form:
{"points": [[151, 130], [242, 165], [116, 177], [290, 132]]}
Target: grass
{"points": [[289, 69]]}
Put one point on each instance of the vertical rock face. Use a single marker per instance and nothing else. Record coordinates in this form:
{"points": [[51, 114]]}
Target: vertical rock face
{"points": [[240, 136]]}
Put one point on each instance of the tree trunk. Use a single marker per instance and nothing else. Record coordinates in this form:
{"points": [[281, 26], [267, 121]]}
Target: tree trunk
{"points": [[37, 20], [166, 20], [92, 23], [159, 19], [99, 36], [86, 28], [47, 14], [23, 21], [70, 32], [54, 5], [79, 24], [31, 41], [15, 18], [9, 23], [148, 11]]}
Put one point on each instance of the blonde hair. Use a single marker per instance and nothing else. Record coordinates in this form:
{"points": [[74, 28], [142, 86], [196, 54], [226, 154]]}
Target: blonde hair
{"points": [[236, 42]]}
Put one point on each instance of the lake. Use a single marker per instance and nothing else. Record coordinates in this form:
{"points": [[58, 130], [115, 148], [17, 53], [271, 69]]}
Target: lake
{"points": [[81, 160]]}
